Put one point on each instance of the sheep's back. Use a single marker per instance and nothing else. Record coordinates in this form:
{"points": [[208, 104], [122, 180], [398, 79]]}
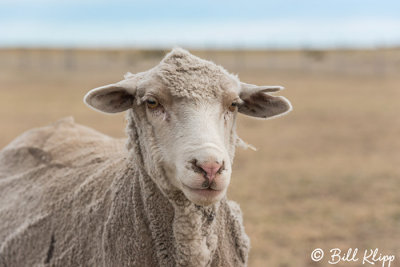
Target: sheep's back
{"points": [[55, 181]]}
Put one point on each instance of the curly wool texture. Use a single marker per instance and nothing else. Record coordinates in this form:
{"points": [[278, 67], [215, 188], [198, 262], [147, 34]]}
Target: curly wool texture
{"points": [[70, 196], [190, 76]]}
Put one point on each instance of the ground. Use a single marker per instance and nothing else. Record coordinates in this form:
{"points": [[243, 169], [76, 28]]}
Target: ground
{"points": [[325, 176]]}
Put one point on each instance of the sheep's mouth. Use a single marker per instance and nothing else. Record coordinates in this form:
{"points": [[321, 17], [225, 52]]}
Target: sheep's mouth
{"points": [[207, 192]]}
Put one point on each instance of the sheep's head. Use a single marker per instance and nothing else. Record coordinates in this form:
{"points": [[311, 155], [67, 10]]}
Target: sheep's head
{"points": [[186, 109]]}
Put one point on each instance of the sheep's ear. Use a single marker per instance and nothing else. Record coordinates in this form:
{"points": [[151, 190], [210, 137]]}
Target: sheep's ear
{"points": [[112, 98], [257, 103]]}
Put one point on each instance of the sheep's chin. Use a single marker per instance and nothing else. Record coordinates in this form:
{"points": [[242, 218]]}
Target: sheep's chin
{"points": [[203, 197]]}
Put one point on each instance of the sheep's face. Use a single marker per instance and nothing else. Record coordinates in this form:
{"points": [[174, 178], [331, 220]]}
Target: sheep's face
{"points": [[187, 109], [195, 138]]}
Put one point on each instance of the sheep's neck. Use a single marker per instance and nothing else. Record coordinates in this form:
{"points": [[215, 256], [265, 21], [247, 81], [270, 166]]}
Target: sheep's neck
{"points": [[193, 227], [195, 233]]}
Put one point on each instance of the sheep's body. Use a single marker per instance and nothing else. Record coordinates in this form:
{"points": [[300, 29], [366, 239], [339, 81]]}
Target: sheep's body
{"points": [[70, 196]]}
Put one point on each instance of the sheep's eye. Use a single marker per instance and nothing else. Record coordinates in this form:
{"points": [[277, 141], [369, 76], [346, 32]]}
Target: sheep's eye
{"points": [[233, 106], [152, 103]]}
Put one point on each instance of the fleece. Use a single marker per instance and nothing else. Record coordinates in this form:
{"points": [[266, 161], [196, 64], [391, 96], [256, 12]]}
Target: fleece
{"points": [[187, 76], [71, 196]]}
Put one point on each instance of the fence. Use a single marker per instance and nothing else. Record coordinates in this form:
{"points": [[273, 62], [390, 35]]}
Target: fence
{"points": [[352, 62]]}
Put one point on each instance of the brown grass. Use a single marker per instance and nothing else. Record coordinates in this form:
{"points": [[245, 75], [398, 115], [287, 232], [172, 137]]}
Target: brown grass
{"points": [[327, 175]]}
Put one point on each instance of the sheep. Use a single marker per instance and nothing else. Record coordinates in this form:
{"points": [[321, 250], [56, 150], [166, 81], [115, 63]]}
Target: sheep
{"points": [[71, 196]]}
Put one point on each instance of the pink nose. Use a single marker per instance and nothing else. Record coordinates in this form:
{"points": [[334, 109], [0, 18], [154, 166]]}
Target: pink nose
{"points": [[211, 169]]}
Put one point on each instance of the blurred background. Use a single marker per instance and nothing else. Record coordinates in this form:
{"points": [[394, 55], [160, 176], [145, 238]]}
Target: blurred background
{"points": [[325, 176]]}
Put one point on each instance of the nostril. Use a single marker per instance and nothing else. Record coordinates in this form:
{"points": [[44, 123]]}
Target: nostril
{"points": [[196, 168]]}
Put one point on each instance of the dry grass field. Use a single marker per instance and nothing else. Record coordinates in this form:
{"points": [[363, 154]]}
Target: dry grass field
{"points": [[327, 175]]}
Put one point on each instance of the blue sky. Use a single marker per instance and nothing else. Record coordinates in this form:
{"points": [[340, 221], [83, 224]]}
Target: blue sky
{"points": [[211, 24]]}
